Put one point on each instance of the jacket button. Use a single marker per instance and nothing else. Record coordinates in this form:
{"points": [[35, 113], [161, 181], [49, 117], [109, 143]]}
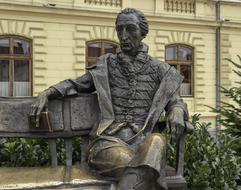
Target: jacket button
{"points": [[129, 118], [130, 101]]}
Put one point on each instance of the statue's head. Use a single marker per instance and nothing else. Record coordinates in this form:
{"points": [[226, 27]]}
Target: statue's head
{"points": [[131, 28]]}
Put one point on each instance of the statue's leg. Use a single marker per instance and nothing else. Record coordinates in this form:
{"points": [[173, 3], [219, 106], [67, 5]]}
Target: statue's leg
{"points": [[137, 170], [147, 165], [152, 153], [139, 178], [110, 156]]}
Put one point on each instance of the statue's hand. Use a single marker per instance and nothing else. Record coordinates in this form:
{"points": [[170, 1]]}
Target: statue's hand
{"points": [[37, 107], [175, 121]]}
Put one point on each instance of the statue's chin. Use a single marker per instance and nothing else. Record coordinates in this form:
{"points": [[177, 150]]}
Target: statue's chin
{"points": [[126, 50]]}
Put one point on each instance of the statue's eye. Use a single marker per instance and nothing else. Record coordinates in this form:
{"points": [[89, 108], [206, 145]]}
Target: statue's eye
{"points": [[131, 28], [119, 28]]}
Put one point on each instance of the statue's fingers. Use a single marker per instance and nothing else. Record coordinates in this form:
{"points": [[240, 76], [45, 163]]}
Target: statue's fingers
{"points": [[33, 109], [173, 128], [34, 117], [37, 121], [38, 112], [43, 104]]}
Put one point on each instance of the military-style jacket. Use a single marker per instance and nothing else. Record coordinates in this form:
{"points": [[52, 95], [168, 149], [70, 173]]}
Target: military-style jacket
{"points": [[97, 79]]}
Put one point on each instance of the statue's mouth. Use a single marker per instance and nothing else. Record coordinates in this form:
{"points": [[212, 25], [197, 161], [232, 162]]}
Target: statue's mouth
{"points": [[126, 45]]}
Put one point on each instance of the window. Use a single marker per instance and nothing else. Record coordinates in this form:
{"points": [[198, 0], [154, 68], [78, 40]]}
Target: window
{"points": [[181, 57], [15, 66], [97, 48]]}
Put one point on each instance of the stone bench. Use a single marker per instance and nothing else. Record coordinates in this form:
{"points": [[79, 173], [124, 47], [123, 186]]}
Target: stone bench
{"points": [[70, 117]]}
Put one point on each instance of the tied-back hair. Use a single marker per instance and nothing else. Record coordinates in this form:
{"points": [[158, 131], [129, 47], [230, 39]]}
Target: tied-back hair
{"points": [[142, 19]]}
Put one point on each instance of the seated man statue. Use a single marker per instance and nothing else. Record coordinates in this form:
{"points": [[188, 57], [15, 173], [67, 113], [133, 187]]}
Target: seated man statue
{"points": [[133, 90]]}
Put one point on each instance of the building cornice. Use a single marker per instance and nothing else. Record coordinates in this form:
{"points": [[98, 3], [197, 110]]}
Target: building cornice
{"points": [[230, 1], [42, 11]]}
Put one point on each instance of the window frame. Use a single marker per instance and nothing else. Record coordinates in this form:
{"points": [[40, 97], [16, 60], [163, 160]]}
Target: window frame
{"points": [[178, 63], [11, 57], [101, 41]]}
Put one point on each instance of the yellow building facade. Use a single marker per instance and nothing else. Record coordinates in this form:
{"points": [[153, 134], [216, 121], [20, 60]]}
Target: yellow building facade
{"points": [[56, 34]]}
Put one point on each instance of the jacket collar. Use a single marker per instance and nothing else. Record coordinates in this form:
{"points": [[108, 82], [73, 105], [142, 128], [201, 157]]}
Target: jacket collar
{"points": [[142, 48], [141, 57]]}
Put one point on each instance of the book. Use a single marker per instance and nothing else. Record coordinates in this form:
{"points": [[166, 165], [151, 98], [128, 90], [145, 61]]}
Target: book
{"points": [[44, 122]]}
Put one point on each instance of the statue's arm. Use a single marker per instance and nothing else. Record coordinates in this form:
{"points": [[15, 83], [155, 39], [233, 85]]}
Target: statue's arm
{"points": [[176, 103], [176, 109], [83, 84]]}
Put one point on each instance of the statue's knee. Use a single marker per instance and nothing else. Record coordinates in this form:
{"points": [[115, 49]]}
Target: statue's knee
{"points": [[157, 138], [110, 157]]}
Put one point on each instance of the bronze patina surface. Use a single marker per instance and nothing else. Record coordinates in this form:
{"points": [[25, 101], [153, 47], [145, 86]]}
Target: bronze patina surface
{"points": [[46, 178], [133, 90]]}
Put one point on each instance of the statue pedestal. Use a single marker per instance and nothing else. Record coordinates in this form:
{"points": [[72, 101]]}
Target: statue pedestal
{"points": [[61, 177]]}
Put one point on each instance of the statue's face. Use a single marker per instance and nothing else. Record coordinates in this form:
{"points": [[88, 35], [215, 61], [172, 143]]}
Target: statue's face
{"points": [[129, 33]]}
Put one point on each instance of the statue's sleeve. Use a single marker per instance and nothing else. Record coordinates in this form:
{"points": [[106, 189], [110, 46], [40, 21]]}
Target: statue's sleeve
{"points": [[82, 84], [176, 101]]}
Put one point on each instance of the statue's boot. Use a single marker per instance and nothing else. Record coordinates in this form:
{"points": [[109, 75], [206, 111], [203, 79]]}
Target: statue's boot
{"points": [[140, 178]]}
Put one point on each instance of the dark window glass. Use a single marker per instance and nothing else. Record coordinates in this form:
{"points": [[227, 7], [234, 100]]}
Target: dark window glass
{"points": [[4, 46], [4, 70], [20, 46], [94, 50], [171, 53], [21, 84], [21, 70], [181, 57], [109, 48], [91, 62], [185, 54], [4, 78], [186, 86], [97, 48], [15, 74], [186, 71]]}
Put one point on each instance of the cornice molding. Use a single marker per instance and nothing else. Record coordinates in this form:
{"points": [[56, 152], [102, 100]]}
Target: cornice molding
{"points": [[230, 2], [111, 14]]}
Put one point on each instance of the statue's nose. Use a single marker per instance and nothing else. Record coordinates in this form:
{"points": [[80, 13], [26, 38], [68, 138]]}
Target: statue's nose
{"points": [[124, 34]]}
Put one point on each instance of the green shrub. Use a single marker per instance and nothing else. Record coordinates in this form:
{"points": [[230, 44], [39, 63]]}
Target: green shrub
{"points": [[16, 152], [20, 152], [230, 112], [210, 163]]}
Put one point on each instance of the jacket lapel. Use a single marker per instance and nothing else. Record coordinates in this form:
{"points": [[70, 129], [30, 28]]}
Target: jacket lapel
{"points": [[101, 81], [168, 86]]}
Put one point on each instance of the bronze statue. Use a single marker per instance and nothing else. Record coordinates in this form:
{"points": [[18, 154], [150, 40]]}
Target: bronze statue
{"points": [[133, 89]]}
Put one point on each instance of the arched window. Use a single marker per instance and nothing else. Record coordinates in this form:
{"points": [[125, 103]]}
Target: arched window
{"points": [[96, 48], [15, 66], [181, 57]]}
